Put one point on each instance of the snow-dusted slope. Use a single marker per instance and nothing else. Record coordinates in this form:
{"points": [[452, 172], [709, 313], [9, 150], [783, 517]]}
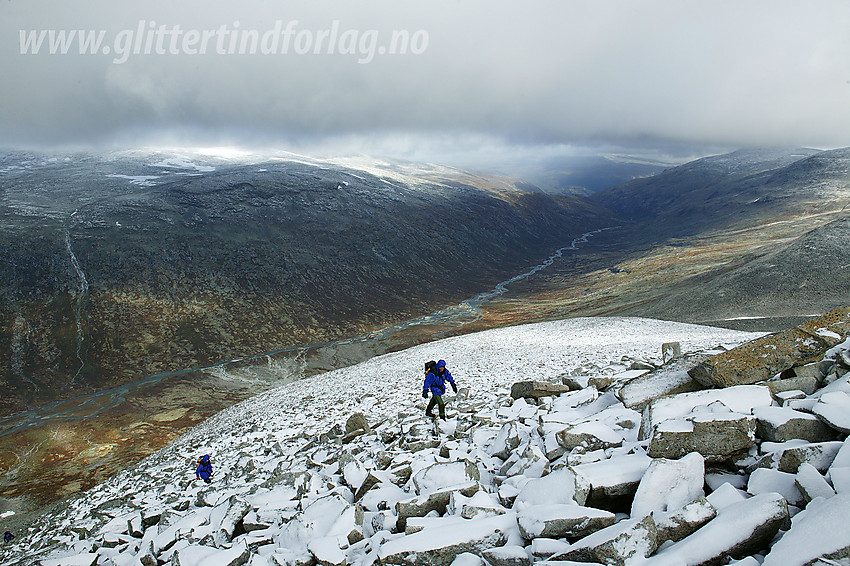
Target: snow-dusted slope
{"points": [[484, 362], [262, 447]]}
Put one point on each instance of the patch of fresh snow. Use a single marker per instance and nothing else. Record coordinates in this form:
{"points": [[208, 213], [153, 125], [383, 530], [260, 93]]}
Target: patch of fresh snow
{"points": [[818, 531]]}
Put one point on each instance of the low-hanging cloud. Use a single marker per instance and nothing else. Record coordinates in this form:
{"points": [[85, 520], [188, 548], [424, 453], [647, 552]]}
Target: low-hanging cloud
{"points": [[538, 72]]}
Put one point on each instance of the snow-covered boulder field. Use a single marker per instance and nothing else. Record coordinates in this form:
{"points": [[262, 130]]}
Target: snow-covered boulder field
{"points": [[635, 463]]}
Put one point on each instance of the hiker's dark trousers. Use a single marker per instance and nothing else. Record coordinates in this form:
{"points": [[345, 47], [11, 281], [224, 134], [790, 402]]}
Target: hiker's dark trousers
{"points": [[438, 401]]}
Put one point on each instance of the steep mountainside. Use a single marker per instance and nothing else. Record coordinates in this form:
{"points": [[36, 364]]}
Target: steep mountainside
{"points": [[121, 265], [785, 271], [809, 275]]}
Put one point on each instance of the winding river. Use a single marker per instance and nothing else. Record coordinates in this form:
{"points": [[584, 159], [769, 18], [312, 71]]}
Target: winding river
{"points": [[451, 318]]}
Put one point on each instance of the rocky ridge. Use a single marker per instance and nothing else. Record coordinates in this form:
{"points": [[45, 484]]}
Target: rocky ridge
{"points": [[629, 463]]}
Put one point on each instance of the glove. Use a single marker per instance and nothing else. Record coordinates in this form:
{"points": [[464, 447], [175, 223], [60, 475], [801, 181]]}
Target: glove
{"points": [[454, 387], [424, 394]]}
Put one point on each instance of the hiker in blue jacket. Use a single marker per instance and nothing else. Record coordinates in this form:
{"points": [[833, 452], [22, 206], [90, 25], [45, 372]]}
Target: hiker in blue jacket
{"points": [[436, 376], [204, 470]]}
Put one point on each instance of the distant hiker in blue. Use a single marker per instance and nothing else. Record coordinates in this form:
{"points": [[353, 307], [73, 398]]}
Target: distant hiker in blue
{"points": [[7, 536], [204, 470], [436, 376]]}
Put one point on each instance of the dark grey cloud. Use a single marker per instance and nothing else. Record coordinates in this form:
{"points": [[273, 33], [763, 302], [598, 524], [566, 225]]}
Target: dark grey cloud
{"points": [[492, 73]]}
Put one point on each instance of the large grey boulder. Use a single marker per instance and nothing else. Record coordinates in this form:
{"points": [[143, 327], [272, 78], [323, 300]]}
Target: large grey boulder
{"points": [[509, 555], [640, 392], [445, 475], [616, 545], [439, 546], [683, 522], [716, 436], [765, 357], [559, 521], [537, 389], [780, 424], [357, 422], [788, 456], [808, 384], [590, 436], [435, 501], [563, 485], [668, 485], [739, 530]]}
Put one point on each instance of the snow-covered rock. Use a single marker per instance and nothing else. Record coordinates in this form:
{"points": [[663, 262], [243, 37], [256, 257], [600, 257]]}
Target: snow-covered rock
{"points": [[669, 485], [737, 531], [640, 392], [742, 399], [675, 525], [780, 424], [439, 546], [537, 389], [839, 469], [834, 409], [818, 532], [85, 559], [670, 351], [509, 555], [589, 435], [812, 484], [766, 480], [445, 475], [787, 456], [563, 486], [559, 521], [436, 501], [717, 435], [509, 438], [618, 544], [615, 476]]}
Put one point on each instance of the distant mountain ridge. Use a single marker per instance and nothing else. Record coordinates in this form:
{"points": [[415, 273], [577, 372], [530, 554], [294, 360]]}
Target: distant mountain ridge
{"points": [[701, 189]]}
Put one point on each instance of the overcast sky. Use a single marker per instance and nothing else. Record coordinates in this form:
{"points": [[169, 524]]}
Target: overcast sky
{"points": [[477, 76]]}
